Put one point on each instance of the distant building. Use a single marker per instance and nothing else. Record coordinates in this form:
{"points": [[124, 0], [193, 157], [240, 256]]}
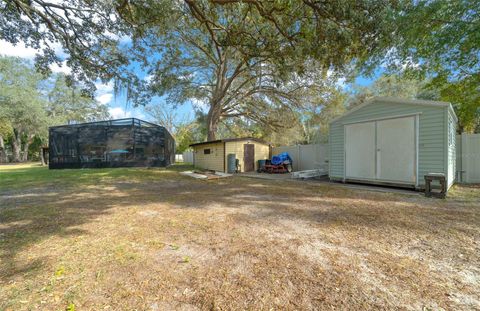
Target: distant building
{"points": [[214, 155]]}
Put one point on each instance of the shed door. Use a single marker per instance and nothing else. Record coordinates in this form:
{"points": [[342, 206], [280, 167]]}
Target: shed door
{"points": [[360, 150], [249, 157], [396, 150]]}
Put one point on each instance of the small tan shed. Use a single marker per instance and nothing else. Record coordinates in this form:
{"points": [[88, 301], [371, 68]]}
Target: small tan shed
{"points": [[213, 155]]}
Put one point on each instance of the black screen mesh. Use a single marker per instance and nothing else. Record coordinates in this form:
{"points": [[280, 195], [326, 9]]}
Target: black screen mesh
{"points": [[115, 143]]}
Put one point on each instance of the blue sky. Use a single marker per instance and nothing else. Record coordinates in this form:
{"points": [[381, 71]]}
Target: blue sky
{"points": [[117, 104]]}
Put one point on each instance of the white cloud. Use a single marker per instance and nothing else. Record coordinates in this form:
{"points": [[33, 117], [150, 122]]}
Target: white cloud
{"points": [[410, 64], [61, 69], [125, 40], [200, 104], [105, 98], [19, 50], [341, 82], [148, 78], [104, 92], [119, 113], [104, 88]]}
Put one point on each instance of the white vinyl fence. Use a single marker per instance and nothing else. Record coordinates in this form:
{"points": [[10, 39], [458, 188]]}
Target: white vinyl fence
{"points": [[187, 157], [306, 157], [309, 157], [468, 158]]}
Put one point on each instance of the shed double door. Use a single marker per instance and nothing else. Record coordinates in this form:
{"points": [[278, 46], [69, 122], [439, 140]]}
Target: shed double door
{"points": [[383, 150]]}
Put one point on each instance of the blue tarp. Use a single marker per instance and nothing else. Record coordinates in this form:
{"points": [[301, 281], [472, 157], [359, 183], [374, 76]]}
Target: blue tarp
{"points": [[281, 158]]}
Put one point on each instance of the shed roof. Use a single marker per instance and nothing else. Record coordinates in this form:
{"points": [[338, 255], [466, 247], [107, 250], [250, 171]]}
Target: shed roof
{"points": [[230, 140], [396, 100]]}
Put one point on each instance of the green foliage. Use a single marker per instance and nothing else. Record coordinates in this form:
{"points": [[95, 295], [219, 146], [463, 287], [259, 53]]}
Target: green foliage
{"points": [[394, 85], [67, 102], [465, 97], [88, 31], [184, 130], [34, 148], [449, 33], [330, 104], [29, 104], [21, 102], [462, 94], [70, 307], [306, 124], [185, 137], [332, 32], [243, 59], [440, 41], [5, 128], [252, 59], [60, 272]]}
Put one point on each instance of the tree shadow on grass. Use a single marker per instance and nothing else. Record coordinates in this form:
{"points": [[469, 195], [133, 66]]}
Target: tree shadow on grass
{"points": [[26, 224], [57, 211]]}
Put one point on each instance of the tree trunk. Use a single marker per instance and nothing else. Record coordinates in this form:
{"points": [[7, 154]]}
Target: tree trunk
{"points": [[42, 158], [3, 151], [219, 91], [25, 151], [16, 146], [213, 118]]}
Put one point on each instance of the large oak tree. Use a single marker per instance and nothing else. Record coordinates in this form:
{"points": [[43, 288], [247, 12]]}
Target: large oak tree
{"points": [[239, 58], [21, 104], [249, 59]]}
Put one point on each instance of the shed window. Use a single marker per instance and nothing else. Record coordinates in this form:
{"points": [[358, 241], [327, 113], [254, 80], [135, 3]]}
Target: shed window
{"points": [[206, 151]]}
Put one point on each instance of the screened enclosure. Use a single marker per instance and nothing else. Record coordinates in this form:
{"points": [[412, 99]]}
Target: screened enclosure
{"points": [[115, 143]]}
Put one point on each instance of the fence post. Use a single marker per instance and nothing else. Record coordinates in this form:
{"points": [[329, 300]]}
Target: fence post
{"points": [[464, 169]]}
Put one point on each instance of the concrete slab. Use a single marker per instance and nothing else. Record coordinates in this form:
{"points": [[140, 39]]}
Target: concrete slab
{"points": [[206, 175], [326, 180], [194, 175], [375, 188], [265, 176]]}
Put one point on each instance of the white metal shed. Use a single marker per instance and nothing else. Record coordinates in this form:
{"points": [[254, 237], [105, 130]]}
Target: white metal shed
{"points": [[393, 141]]}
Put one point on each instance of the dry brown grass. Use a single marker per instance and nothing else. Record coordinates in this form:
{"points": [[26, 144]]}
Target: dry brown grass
{"points": [[161, 241]]}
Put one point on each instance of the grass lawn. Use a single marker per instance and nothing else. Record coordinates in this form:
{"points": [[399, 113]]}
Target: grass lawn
{"points": [[151, 239]]}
